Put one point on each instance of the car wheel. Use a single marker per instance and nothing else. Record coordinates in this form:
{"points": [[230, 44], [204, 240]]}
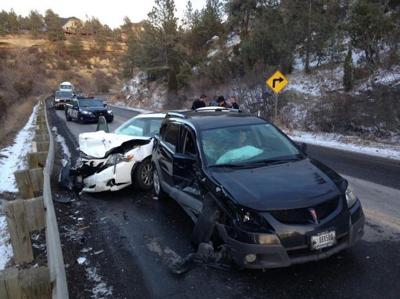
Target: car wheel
{"points": [[159, 192], [143, 176]]}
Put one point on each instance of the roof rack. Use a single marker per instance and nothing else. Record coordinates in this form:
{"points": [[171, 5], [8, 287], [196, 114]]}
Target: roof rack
{"points": [[175, 114], [216, 109]]}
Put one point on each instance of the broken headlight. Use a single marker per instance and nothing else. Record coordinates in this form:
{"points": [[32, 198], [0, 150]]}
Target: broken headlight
{"points": [[114, 159], [252, 221], [351, 198]]}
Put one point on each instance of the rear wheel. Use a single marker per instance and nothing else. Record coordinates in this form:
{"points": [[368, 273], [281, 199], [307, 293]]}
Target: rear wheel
{"points": [[143, 175], [159, 192]]}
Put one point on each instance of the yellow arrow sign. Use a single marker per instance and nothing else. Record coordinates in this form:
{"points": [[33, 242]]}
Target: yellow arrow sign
{"points": [[277, 82]]}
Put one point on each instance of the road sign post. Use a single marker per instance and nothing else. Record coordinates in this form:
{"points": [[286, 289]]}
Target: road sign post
{"points": [[277, 83]]}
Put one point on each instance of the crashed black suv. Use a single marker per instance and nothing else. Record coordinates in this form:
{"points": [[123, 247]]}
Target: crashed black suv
{"points": [[248, 186]]}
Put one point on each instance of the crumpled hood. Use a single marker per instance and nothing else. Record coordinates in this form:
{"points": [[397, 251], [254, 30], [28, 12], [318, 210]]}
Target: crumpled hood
{"points": [[99, 144], [284, 186]]}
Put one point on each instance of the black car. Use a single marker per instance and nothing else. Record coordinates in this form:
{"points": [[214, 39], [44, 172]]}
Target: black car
{"points": [[61, 98], [85, 109], [248, 186]]}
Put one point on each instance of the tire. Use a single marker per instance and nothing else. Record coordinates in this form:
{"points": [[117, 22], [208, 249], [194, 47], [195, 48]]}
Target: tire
{"points": [[158, 191], [143, 175]]}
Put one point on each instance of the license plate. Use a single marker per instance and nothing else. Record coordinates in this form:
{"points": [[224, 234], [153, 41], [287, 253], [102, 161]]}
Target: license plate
{"points": [[322, 240]]}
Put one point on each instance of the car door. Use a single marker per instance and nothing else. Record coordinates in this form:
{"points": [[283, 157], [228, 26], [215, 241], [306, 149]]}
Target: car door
{"points": [[185, 167], [169, 138]]}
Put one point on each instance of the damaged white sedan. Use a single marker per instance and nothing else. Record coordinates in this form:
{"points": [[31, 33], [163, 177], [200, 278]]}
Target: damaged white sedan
{"points": [[113, 161]]}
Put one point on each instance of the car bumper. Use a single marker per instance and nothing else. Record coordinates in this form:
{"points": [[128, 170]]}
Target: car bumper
{"points": [[112, 178], [275, 255], [94, 118]]}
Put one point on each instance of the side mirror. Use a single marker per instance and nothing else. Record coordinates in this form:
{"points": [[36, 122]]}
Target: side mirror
{"points": [[303, 147]]}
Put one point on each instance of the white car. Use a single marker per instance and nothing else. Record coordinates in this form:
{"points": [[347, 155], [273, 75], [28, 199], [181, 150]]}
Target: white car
{"points": [[112, 161]]}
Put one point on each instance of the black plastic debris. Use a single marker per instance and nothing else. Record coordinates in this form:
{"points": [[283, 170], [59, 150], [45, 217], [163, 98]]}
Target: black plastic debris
{"points": [[206, 255]]}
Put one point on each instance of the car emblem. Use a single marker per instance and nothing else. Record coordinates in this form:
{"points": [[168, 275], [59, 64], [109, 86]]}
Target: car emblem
{"points": [[314, 215]]}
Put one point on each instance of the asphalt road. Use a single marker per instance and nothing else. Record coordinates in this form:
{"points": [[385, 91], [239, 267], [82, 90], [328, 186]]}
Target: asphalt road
{"points": [[142, 232]]}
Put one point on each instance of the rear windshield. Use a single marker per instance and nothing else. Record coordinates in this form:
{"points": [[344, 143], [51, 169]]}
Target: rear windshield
{"points": [[90, 103], [64, 94]]}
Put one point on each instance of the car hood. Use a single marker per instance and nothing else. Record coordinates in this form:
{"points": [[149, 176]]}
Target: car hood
{"points": [[290, 185], [100, 144]]}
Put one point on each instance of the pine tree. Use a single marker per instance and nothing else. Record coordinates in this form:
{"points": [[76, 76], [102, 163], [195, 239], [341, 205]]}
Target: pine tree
{"points": [[35, 23], [348, 71], [55, 31]]}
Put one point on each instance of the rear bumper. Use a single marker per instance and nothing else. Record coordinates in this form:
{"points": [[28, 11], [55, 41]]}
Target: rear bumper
{"points": [[275, 255]]}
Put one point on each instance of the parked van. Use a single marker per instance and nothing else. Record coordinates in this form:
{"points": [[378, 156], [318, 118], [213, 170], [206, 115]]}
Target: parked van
{"points": [[66, 86]]}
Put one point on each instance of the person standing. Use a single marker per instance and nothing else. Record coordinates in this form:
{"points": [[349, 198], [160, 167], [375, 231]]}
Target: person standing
{"points": [[222, 103], [198, 103], [214, 101], [233, 103]]}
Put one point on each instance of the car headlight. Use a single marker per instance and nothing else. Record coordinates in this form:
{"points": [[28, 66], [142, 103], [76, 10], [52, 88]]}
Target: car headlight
{"points": [[351, 198], [109, 111], [114, 159], [85, 112], [251, 221]]}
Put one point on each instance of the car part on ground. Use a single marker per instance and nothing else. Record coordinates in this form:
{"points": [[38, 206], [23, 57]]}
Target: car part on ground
{"points": [[245, 182]]}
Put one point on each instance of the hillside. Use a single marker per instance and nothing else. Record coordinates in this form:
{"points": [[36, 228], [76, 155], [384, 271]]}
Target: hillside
{"points": [[32, 67]]}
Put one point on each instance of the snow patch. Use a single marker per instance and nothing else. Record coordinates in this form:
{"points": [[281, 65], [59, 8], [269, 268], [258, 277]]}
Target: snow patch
{"points": [[66, 154], [101, 290], [6, 252], [13, 158], [347, 143]]}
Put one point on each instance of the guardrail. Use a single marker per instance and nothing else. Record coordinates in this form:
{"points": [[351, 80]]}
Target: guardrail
{"points": [[33, 212]]}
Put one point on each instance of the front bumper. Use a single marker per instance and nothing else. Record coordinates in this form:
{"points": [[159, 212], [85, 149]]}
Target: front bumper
{"points": [[113, 178], [95, 118], [273, 254]]}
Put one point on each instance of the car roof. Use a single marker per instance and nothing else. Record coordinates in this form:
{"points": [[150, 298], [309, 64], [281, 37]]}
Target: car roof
{"points": [[205, 119]]}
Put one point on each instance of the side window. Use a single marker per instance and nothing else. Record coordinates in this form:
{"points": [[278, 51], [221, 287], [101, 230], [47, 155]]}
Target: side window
{"points": [[170, 136], [189, 145]]}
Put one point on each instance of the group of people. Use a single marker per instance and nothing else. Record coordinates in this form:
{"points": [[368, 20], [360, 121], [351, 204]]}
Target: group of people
{"points": [[219, 101]]}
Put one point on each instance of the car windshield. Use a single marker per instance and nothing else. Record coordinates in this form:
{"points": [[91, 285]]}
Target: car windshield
{"points": [[246, 144], [63, 94], [90, 103], [143, 127], [65, 87]]}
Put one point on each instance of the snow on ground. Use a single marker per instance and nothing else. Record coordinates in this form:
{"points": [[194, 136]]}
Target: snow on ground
{"points": [[6, 252], [381, 77], [347, 143], [317, 82], [12, 158], [64, 148], [101, 290]]}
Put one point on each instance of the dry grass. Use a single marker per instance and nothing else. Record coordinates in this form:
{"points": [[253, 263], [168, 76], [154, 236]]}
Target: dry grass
{"points": [[21, 41], [17, 116]]}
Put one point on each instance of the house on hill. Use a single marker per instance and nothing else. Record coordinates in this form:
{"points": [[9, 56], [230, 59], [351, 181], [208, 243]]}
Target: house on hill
{"points": [[71, 25]]}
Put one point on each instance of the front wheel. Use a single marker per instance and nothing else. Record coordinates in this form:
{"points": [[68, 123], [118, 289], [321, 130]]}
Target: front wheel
{"points": [[143, 175], [160, 193]]}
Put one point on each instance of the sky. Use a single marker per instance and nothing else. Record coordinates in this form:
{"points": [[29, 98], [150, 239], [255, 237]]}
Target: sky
{"points": [[108, 12]]}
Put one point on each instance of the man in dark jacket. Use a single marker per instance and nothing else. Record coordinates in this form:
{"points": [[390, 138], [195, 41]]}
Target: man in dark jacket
{"points": [[198, 103]]}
